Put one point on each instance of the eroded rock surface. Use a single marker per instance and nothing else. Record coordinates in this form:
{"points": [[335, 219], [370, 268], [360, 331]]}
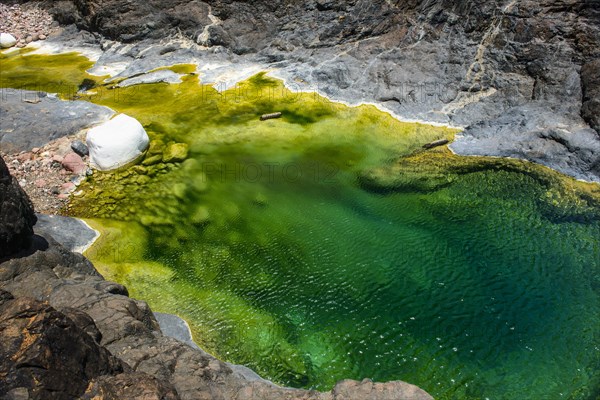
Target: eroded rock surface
{"points": [[47, 354]]}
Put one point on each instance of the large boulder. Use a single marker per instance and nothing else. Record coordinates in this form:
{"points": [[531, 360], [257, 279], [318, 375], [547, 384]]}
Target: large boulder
{"points": [[16, 214], [117, 142]]}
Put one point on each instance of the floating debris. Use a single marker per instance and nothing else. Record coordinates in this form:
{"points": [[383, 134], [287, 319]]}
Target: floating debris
{"points": [[265, 117], [437, 143]]}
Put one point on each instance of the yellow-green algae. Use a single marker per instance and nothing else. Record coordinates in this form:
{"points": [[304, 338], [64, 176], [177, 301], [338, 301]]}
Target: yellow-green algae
{"points": [[327, 244], [60, 74]]}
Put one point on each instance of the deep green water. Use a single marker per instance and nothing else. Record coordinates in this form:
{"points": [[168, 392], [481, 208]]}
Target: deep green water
{"points": [[481, 289], [471, 278]]}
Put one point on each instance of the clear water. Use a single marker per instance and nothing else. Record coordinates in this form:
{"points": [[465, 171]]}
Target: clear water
{"points": [[480, 289], [325, 245]]}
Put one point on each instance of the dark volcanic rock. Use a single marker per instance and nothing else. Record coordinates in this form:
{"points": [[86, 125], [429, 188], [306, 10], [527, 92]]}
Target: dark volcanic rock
{"points": [[80, 148], [132, 385], [133, 20], [44, 350], [590, 83], [16, 215], [45, 355], [71, 233]]}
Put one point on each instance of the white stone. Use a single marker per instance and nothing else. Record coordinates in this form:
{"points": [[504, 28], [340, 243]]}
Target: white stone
{"points": [[116, 143], [7, 40]]}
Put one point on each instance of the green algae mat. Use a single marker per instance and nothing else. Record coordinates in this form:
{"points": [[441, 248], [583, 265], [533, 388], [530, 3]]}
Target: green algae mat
{"points": [[328, 244]]}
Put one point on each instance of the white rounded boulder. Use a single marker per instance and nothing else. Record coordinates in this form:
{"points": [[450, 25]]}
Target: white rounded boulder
{"points": [[116, 143], [7, 40]]}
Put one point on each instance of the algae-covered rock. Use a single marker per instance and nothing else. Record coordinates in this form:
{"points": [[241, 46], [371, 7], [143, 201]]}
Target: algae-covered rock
{"points": [[156, 147], [179, 190], [260, 200], [175, 152], [152, 160], [139, 169], [201, 216], [143, 179], [200, 182]]}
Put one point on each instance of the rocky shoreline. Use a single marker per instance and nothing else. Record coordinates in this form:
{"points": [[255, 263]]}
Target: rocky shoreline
{"points": [[519, 77]]}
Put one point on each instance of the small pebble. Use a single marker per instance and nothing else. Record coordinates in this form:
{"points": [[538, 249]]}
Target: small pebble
{"points": [[80, 148]]}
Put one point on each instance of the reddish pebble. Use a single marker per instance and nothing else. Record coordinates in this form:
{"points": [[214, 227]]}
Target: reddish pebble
{"points": [[74, 163], [40, 183], [67, 187], [63, 196], [57, 158], [24, 157]]}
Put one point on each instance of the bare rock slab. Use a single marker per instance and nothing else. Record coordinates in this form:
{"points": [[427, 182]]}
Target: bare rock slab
{"points": [[35, 123]]}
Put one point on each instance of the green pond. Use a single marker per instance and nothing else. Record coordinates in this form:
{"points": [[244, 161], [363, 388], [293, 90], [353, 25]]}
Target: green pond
{"points": [[328, 244]]}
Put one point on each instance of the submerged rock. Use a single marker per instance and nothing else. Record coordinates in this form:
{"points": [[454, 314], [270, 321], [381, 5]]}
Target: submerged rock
{"points": [[156, 147], [201, 216], [152, 160], [176, 152], [117, 142]]}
